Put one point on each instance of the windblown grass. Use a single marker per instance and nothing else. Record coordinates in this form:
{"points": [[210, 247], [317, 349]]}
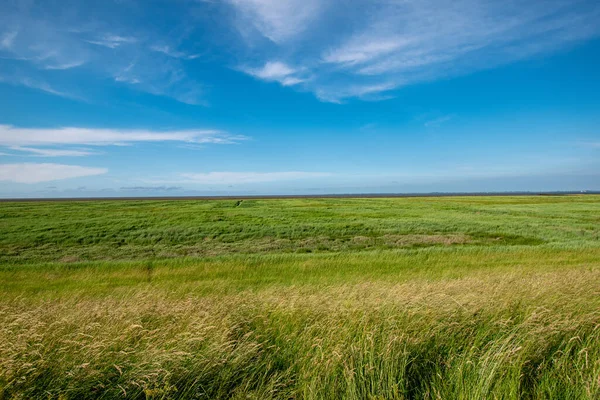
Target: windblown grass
{"points": [[446, 320], [118, 230]]}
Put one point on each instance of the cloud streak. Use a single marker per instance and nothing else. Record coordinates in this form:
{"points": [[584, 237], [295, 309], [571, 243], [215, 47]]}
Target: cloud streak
{"points": [[231, 178], [436, 122], [52, 152], [367, 51], [112, 41], [383, 45], [38, 85], [276, 71], [167, 50], [67, 65], [30, 173], [45, 45], [12, 136], [8, 39], [277, 20]]}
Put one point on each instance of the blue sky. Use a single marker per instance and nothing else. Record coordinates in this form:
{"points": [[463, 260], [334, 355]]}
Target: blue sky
{"points": [[140, 97]]}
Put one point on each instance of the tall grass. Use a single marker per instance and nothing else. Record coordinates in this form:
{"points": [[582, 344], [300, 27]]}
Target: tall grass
{"points": [[461, 307], [534, 335], [119, 230]]}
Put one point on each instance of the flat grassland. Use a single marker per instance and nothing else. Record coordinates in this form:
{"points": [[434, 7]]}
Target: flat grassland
{"points": [[399, 298]]}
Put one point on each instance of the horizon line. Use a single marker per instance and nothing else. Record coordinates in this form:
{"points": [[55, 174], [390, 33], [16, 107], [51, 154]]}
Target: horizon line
{"points": [[308, 196]]}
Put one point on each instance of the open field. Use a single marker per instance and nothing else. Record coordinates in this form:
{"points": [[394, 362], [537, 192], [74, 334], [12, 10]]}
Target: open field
{"points": [[403, 298]]}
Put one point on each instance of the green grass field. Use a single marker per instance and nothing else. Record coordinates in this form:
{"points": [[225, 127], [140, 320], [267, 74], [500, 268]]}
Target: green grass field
{"points": [[401, 298]]}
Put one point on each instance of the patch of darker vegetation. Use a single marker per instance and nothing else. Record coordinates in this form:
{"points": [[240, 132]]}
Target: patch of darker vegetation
{"points": [[222, 246], [132, 230], [149, 270], [493, 238]]}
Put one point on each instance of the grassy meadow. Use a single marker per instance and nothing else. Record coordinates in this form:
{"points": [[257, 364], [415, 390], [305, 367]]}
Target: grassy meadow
{"points": [[384, 298]]}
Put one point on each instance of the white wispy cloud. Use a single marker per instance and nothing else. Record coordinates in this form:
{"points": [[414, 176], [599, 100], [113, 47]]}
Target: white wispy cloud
{"points": [[7, 40], [53, 40], [277, 20], [112, 41], [13, 136], [392, 43], [128, 79], [436, 122], [127, 75], [67, 65], [40, 43], [363, 48], [231, 178], [466, 30], [52, 152], [278, 72], [161, 79], [45, 172], [33, 83], [167, 50], [273, 70], [43, 86], [337, 50], [367, 91]]}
